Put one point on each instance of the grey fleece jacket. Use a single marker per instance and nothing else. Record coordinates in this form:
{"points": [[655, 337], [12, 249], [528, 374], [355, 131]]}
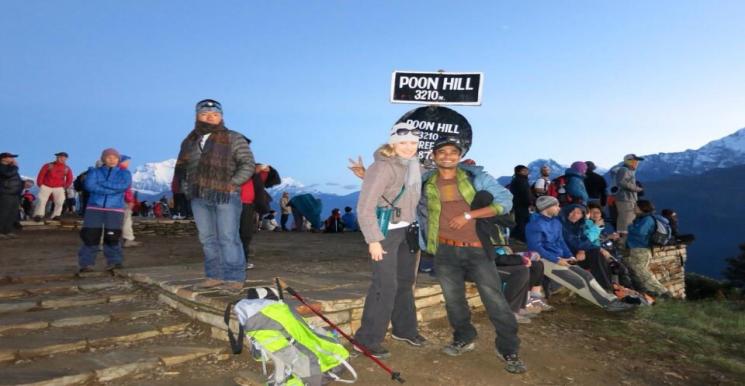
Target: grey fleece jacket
{"points": [[626, 182], [384, 178], [241, 163]]}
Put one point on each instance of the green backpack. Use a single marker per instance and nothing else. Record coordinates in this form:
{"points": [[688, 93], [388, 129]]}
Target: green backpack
{"points": [[301, 354]]}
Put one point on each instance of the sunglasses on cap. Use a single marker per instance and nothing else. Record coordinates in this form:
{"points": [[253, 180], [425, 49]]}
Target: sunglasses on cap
{"points": [[416, 132]]}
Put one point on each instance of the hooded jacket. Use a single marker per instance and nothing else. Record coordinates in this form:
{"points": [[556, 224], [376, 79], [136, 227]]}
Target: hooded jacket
{"points": [[576, 186], [107, 186], [575, 234], [545, 236], [640, 231], [384, 179], [470, 179], [10, 181]]}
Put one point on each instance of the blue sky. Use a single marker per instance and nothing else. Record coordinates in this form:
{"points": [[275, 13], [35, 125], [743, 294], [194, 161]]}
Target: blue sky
{"points": [[309, 82]]}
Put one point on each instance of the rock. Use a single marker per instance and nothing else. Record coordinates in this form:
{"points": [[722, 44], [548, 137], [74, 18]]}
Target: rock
{"points": [[170, 356], [73, 301], [81, 320], [114, 372], [16, 306]]}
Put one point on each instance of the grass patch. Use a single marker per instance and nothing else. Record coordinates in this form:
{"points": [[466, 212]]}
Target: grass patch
{"points": [[709, 332]]}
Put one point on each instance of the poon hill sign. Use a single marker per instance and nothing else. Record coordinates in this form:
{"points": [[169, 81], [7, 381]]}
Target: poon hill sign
{"points": [[437, 88]]}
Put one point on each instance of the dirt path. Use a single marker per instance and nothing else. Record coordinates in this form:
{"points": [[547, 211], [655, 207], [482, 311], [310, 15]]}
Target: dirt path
{"points": [[560, 348]]}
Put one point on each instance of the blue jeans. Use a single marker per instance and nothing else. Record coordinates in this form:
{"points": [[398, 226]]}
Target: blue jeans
{"points": [[452, 266], [218, 226], [96, 223]]}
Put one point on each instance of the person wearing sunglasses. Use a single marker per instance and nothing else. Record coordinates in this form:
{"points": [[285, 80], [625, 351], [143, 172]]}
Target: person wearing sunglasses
{"points": [[212, 165], [393, 182]]}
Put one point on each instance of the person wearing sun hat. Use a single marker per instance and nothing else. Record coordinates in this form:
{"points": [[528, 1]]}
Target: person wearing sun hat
{"points": [[626, 196]]}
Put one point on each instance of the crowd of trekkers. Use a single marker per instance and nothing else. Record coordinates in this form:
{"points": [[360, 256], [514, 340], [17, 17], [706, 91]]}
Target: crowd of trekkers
{"points": [[518, 244]]}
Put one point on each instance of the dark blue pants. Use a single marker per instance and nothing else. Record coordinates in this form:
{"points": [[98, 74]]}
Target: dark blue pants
{"points": [[95, 223], [452, 266]]}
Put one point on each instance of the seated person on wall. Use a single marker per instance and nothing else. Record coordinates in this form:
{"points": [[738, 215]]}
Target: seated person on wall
{"points": [[350, 220], [604, 235], [544, 236], [588, 255], [640, 253], [672, 218], [333, 223]]}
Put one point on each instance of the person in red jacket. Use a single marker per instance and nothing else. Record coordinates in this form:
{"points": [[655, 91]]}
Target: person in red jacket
{"points": [[248, 214], [53, 179]]}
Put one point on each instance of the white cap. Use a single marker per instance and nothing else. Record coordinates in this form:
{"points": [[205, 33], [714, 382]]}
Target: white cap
{"points": [[396, 137]]}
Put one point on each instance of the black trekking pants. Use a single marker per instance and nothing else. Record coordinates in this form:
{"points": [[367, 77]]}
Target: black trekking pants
{"points": [[247, 227]]}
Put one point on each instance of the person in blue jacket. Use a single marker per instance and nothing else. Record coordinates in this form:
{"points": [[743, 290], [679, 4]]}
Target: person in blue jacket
{"points": [[640, 252], [589, 256], [544, 235], [575, 187], [104, 213]]}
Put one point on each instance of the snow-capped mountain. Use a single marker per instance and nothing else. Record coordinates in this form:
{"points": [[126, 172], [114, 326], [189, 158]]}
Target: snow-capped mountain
{"points": [[557, 169], [154, 177], [721, 153]]}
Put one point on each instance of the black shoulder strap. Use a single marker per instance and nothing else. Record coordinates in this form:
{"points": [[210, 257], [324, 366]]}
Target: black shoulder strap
{"points": [[235, 344], [398, 197]]}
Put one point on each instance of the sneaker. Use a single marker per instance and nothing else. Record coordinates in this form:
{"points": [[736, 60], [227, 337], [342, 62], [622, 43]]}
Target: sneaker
{"points": [[617, 306], [56, 218], [416, 341], [131, 244], [377, 351], [38, 218], [457, 348], [250, 266], [112, 267], [85, 270], [541, 304], [514, 364], [521, 319]]}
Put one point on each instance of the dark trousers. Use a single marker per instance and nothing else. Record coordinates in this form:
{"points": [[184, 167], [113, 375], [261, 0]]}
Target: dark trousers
{"points": [[515, 283], [181, 205], [522, 216], [390, 298], [598, 267], [248, 227], [452, 265], [95, 223], [298, 220], [283, 221], [9, 206]]}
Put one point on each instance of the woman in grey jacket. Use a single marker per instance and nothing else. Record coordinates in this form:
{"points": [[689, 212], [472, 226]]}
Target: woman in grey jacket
{"points": [[391, 295]]}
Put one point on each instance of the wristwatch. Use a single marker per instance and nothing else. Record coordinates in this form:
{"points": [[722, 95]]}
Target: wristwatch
{"points": [[467, 215]]}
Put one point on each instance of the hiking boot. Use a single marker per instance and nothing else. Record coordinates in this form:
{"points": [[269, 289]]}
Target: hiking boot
{"points": [[618, 305], [514, 364], [457, 348], [112, 267], [131, 244], [56, 218], [416, 341], [377, 351], [38, 218], [208, 283], [85, 270]]}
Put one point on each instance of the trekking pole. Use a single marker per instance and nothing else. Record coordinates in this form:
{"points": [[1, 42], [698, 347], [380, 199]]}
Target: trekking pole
{"points": [[395, 375]]}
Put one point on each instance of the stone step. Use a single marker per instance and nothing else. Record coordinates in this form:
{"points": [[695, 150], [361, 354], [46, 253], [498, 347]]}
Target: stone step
{"points": [[40, 302], [66, 339], [68, 317], [90, 367], [61, 287]]}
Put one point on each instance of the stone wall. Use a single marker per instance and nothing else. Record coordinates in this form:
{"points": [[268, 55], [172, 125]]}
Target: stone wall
{"points": [[668, 266], [164, 227]]}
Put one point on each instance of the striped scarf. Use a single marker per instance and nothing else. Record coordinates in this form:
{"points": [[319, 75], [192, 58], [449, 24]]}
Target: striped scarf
{"points": [[212, 178]]}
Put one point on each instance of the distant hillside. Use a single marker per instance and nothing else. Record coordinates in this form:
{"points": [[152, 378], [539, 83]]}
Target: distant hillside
{"points": [[712, 207]]}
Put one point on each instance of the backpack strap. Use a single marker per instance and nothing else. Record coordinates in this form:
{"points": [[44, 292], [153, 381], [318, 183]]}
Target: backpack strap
{"points": [[398, 197], [235, 344]]}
